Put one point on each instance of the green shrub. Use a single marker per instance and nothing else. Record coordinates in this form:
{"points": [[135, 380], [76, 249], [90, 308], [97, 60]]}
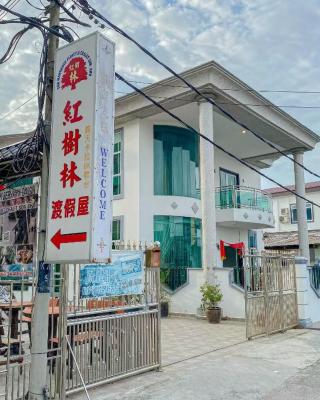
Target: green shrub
{"points": [[211, 295]]}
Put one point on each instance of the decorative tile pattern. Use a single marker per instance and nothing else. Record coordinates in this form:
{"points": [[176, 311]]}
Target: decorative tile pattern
{"points": [[195, 208], [174, 205]]}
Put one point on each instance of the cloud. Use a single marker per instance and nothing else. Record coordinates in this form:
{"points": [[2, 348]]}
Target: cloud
{"points": [[268, 44]]}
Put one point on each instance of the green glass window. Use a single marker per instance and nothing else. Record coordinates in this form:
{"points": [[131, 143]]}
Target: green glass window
{"points": [[252, 240], [294, 213], [180, 240], [176, 162], [116, 229], [117, 167]]}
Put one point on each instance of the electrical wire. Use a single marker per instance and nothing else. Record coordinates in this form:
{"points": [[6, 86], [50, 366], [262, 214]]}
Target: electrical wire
{"points": [[228, 103], [37, 8], [17, 108], [36, 22], [27, 155], [13, 4], [233, 90], [90, 11], [69, 13], [191, 129]]}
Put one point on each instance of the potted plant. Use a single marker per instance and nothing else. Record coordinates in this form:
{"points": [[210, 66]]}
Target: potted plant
{"points": [[211, 297], [164, 297]]}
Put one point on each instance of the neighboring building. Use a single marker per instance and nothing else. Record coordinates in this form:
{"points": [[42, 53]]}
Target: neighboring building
{"points": [[284, 235], [175, 189]]}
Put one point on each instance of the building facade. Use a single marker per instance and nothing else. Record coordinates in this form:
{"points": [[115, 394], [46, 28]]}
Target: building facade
{"points": [[284, 234], [171, 187]]}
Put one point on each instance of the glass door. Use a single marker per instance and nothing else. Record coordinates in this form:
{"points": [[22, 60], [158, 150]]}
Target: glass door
{"points": [[228, 181]]}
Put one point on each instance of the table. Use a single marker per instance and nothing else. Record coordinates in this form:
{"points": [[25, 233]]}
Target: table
{"points": [[15, 306]]}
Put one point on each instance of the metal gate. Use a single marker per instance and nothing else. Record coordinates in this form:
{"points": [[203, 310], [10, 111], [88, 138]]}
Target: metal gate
{"points": [[270, 294], [90, 341]]}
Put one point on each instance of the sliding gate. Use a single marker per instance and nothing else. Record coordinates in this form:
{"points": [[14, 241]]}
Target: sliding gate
{"points": [[270, 294], [91, 341]]}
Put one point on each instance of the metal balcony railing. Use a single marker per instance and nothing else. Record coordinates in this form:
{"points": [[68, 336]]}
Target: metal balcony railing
{"points": [[242, 197]]}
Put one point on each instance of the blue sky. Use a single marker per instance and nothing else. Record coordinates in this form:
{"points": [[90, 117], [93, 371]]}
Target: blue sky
{"points": [[269, 44]]}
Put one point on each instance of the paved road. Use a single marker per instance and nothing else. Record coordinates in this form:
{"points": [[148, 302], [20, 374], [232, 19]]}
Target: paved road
{"points": [[283, 366], [305, 385]]}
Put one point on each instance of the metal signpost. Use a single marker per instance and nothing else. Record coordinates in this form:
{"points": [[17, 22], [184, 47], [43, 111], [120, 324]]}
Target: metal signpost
{"points": [[80, 181]]}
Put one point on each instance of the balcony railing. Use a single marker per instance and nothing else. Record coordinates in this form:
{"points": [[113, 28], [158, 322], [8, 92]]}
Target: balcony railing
{"points": [[242, 197]]}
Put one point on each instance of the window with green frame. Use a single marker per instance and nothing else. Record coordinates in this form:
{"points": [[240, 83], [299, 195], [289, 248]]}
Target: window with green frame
{"points": [[117, 164], [116, 229], [180, 240], [176, 162]]}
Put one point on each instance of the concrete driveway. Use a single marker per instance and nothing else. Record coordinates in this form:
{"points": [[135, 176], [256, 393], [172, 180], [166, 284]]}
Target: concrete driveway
{"points": [[213, 362]]}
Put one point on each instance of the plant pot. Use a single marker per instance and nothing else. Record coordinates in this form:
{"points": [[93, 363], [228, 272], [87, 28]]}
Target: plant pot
{"points": [[214, 315], [164, 309]]}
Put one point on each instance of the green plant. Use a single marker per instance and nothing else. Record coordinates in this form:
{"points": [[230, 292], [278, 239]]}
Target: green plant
{"points": [[211, 295], [164, 296]]}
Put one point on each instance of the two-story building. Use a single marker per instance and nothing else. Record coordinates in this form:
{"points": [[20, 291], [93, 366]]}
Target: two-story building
{"points": [[171, 187], [284, 235]]}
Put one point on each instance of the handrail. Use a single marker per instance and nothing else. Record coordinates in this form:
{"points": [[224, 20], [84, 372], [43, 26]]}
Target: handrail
{"points": [[242, 197], [247, 188]]}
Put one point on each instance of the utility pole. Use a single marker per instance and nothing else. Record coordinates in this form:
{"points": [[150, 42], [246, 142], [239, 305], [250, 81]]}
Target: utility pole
{"points": [[39, 331]]}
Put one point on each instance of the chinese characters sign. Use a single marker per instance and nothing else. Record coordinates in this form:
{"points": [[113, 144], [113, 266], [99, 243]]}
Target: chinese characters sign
{"points": [[81, 154], [123, 277]]}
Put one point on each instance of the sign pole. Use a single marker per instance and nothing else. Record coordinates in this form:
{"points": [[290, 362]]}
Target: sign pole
{"points": [[39, 339]]}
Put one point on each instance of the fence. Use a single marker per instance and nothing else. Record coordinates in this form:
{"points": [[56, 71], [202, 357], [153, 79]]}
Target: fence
{"points": [[173, 277], [91, 341], [112, 338], [15, 338], [270, 294], [314, 273]]}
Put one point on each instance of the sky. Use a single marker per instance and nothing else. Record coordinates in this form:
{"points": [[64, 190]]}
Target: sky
{"points": [[269, 44]]}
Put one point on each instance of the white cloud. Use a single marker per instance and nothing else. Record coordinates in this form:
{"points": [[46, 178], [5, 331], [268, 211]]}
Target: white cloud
{"points": [[269, 44]]}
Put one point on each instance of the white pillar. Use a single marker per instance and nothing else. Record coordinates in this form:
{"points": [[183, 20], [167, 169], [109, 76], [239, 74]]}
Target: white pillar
{"points": [[303, 287], [301, 207], [208, 209]]}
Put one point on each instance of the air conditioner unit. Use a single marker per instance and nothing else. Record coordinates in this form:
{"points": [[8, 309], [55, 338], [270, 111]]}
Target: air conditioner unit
{"points": [[284, 211], [284, 219]]}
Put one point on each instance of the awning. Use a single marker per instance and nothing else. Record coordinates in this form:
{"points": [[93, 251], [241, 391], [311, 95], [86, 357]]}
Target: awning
{"points": [[286, 239]]}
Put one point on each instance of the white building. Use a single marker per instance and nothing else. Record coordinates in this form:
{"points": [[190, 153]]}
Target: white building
{"points": [[171, 187], [284, 234]]}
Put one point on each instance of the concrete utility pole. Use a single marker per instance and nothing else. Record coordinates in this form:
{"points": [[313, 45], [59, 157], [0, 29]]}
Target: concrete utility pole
{"points": [[301, 207], [39, 330]]}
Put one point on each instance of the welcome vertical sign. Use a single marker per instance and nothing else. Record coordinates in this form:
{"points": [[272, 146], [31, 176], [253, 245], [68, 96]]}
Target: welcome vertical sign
{"points": [[81, 153]]}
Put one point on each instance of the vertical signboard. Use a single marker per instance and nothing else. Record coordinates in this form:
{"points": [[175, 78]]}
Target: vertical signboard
{"points": [[81, 153]]}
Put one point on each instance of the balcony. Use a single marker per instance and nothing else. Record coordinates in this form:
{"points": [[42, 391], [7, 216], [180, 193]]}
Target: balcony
{"points": [[245, 207]]}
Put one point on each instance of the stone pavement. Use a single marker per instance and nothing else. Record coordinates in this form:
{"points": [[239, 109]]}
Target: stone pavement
{"points": [[183, 338], [213, 362]]}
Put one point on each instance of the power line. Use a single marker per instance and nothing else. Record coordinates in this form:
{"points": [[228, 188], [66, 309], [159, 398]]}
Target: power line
{"points": [[229, 103], [13, 4], [90, 11], [233, 90], [18, 108], [189, 127]]}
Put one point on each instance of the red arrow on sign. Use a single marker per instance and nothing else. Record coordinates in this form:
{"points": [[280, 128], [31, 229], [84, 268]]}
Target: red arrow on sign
{"points": [[58, 238]]}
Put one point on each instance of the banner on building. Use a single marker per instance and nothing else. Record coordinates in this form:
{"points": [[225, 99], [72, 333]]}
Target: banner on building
{"points": [[123, 277], [18, 231], [81, 156]]}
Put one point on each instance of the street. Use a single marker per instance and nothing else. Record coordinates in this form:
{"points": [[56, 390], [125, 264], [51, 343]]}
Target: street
{"points": [[282, 366]]}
